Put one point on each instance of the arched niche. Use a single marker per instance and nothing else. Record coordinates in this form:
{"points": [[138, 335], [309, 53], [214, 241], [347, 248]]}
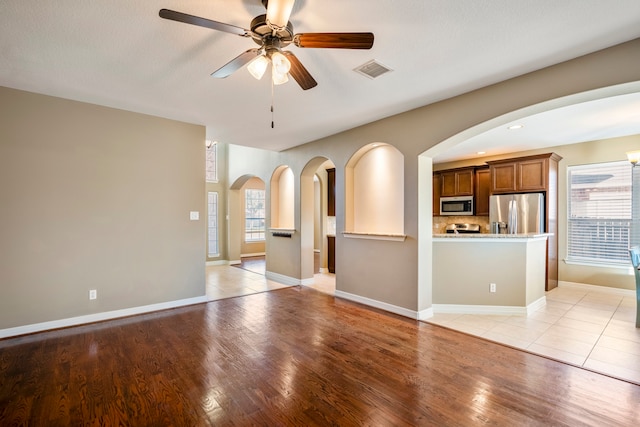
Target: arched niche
{"points": [[374, 192], [282, 198]]}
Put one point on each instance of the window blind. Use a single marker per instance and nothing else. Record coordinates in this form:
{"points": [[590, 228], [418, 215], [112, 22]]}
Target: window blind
{"points": [[254, 221], [599, 213], [212, 163], [212, 223]]}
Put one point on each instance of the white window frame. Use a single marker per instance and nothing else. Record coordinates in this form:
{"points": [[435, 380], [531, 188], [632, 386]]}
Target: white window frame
{"points": [[213, 249], [211, 163], [254, 217], [600, 235]]}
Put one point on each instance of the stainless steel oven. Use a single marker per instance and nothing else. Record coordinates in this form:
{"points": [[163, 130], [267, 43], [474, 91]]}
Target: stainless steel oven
{"points": [[462, 205]]}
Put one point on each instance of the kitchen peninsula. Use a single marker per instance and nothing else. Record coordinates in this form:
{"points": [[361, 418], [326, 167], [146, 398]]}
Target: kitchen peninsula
{"points": [[466, 265]]}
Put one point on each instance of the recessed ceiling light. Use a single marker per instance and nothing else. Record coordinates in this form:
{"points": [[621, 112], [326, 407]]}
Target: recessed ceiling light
{"points": [[514, 127], [481, 153]]}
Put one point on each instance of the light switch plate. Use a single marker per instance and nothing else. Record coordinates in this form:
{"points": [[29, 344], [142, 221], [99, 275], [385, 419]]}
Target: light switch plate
{"points": [[194, 215]]}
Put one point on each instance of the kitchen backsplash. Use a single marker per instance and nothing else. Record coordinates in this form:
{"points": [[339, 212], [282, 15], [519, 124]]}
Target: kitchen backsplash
{"points": [[440, 222]]}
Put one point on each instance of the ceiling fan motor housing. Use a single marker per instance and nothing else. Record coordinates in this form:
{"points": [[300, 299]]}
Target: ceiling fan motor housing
{"points": [[264, 31]]}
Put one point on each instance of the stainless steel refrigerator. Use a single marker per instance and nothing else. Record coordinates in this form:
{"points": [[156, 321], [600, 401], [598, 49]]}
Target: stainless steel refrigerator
{"points": [[517, 213]]}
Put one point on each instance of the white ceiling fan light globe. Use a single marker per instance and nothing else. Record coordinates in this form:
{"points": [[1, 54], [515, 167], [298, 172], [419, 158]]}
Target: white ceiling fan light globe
{"points": [[278, 78], [280, 63], [278, 12], [258, 66]]}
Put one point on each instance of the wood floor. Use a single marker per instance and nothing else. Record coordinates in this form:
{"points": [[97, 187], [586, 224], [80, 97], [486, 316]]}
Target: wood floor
{"points": [[294, 356]]}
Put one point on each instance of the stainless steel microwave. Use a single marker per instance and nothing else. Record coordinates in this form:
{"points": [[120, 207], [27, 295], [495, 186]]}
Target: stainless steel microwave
{"points": [[462, 205]]}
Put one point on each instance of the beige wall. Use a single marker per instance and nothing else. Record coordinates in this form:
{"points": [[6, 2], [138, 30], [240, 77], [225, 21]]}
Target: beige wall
{"points": [[391, 272], [463, 271], [96, 198]]}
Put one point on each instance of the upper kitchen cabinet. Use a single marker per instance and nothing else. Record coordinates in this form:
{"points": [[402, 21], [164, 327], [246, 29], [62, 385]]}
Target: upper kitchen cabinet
{"points": [[331, 192], [524, 174], [437, 188], [483, 191], [457, 182]]}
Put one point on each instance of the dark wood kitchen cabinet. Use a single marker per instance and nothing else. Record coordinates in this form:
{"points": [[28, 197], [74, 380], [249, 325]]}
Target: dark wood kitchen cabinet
{"points": [[437, 189], [331, 254], [483, 191], [457, 182], [522, 175], [331, 192]]}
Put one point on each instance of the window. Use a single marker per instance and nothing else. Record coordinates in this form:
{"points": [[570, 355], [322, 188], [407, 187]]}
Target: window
{"points": [[599, 213], [254, 215], [212, 161], [212, 224]]}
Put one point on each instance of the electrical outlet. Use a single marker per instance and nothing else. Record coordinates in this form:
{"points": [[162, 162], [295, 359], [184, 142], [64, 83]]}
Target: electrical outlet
{"points": [[93, 294], [492, 287]]}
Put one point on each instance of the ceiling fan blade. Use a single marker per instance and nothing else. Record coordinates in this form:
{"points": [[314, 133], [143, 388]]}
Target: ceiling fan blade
{"points": [[278, 12], [235, 64], [334, 40], [202, 22], [299, 73]]}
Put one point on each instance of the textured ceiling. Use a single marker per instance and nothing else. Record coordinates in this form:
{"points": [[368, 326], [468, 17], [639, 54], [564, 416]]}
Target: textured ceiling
{"points": [[119, 53]]}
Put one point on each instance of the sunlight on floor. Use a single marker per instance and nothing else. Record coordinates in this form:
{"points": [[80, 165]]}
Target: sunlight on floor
{"points": [[227, 282], [588, 328]]}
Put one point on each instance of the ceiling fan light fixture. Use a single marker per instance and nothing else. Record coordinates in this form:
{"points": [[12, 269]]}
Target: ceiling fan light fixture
{"points": [[278, 78], [258, 66], [278, 12], [280, 63]]}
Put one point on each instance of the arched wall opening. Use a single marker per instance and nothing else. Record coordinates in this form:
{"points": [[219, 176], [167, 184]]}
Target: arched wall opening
{"points": [[236, 217], [313, 214], [425, 170]]}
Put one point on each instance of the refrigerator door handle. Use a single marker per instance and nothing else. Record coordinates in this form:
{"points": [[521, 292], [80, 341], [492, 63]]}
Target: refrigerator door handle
{"points": [[513, 217]]}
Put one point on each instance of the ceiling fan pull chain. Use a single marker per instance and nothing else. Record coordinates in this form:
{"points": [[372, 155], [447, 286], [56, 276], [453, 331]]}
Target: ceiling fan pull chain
{"points": [[272, 104]]}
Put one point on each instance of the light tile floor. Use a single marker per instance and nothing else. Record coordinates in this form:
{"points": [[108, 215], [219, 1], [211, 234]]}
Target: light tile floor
{"points": [[227, 282], [587, 328]]}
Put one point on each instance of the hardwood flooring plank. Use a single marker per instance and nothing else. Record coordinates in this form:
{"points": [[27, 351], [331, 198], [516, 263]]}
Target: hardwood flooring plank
{"points": [[293, 357]]}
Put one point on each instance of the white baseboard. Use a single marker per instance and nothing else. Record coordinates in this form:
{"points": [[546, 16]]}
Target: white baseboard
{"points": [[501, 310], [98, 317], [425, 314], [235, 262], [505, 310], [324, 270], [383, 305], [596, 288], [536, 305], [281, 278]]}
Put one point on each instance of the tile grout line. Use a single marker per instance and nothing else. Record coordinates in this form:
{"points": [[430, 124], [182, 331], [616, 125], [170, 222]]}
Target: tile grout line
{"points": [[603, 329]]}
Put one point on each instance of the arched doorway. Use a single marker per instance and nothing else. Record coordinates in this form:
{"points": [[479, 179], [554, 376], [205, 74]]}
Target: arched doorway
{"points": [[247, 219], [317, 227]]}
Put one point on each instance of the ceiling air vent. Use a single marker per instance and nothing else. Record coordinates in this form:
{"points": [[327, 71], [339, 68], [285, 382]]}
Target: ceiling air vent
{"points": [[372, 69]]}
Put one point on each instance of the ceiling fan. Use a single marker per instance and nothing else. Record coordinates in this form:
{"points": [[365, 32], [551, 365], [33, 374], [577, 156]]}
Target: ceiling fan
{"points": [[272, 32]]}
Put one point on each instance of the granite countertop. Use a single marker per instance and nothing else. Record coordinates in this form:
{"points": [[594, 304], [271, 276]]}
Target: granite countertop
{"points": [[492, 236]]}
